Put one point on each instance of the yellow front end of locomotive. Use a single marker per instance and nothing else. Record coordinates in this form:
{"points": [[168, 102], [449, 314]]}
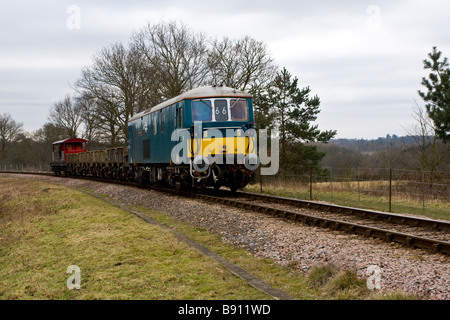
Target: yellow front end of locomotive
{"points": [[222, 146]]}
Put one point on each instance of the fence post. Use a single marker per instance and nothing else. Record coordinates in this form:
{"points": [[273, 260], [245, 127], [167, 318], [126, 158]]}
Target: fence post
{"points": [[359, 188], [331, 181], [390, 189], [260, 180], [423, 190], [310, 183]]}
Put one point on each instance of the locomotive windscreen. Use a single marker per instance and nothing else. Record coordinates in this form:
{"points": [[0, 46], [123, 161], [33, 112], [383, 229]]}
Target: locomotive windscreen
{"points": [[221, 110], [201, 110], [239, 110]]}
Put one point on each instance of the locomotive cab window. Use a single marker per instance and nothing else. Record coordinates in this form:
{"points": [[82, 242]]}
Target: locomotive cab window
{"points": [[221, 110], [239, 110], [57, 151], [75, 146], [180, 117], [162, 121], [201, 110], [146, 149]]}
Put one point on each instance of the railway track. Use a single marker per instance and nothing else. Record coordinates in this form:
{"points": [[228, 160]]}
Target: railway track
{"points": [[427, 234], [431, 235]]}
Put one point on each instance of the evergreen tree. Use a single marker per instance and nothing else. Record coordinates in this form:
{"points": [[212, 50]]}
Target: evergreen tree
{"points": [[294, 112], [264, 114], [438, 96]]}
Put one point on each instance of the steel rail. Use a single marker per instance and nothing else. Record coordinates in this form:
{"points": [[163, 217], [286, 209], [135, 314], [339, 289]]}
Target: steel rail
{"points": [[364, 213], [405, 239]]}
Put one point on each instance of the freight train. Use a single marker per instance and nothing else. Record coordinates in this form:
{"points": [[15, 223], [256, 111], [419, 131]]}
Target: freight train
{"points": [[203, 137]]}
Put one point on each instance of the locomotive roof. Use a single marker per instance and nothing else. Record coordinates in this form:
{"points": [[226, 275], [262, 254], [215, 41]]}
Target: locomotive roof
{"points": [[202, 92], [69, 140]]}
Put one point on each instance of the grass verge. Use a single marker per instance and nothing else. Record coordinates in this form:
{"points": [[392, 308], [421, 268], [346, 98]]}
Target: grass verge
{"points": [[46, 228], [434, 210], [333, 283]]}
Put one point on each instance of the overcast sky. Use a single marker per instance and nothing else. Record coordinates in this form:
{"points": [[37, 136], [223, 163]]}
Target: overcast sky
{"points": [[362, 58]]}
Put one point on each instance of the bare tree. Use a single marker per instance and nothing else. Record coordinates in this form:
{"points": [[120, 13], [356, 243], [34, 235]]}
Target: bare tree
{"points": [[162, 61], [119, 84], [224, 63], [243, 64], [44, 137], [90, 119], [104, 114], [428, 152], [110, 122], [66, 113], [9, 132], [176, 55]]}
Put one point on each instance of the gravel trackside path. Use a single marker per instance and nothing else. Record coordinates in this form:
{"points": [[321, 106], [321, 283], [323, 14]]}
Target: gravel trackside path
{"points": [[413, 271]]}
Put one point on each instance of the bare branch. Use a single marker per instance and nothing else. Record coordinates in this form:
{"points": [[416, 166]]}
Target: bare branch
{"points": [[66, 114], [9, 132]]}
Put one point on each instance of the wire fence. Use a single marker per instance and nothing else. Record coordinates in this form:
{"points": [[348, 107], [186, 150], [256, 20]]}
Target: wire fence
{"points": [[378, 188], [26, 168]]}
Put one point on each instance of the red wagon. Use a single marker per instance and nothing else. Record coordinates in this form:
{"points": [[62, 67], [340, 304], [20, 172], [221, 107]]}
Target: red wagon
{"points": [[61, 149]]}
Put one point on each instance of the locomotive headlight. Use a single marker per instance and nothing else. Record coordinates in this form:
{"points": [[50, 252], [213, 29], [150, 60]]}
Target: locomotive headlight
{"points": [[200, 163], [251, 161], [239, 133]]}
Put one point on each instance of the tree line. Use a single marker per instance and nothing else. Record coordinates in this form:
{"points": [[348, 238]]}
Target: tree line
{"points": [[165, 59], [161, 61]]}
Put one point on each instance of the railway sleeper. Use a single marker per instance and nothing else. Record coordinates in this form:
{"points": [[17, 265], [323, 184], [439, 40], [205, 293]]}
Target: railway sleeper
{"points": [[388, 237], [336, 226], [291, 215], [274, 212], [325, 223], [435, 248], [409, 242]]}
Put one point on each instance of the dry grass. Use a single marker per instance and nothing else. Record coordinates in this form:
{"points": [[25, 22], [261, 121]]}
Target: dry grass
{"points": [[333, 283], [321, 274], [14, 215], [120, 257], [371, 195]]}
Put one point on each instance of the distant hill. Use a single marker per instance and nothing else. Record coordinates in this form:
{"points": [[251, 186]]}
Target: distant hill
{"points": [[388, 152], [369, 146]]}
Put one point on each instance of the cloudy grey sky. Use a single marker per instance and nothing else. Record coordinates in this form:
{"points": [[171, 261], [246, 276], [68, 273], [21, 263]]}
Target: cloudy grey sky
{"points": [[362, 58]]}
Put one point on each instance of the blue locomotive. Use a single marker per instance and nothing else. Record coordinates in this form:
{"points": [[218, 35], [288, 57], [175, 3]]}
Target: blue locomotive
{"points": [[203, 137]]}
